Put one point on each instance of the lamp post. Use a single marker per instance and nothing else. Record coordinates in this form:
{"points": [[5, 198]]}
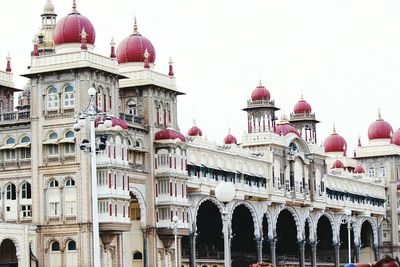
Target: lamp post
{"points": [[91, 114], [225, 192], [349, 221], [175, 226]]}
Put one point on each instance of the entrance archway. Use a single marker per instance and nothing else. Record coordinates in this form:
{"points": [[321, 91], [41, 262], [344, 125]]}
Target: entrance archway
{"points": [[367, 243], [243, 245], [8, 254], [209, 239], [287, 249], [325, 249]]}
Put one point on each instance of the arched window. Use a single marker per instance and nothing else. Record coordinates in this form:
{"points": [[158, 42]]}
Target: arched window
{"points": [[69, 134], [10, 141], [70, 182], [69, 97], [137, 255], [52, 98], [26, 191], [69, 143], [132, 109], [71, 245], [53, 184], [11, 192], [55, 246], [25, 139], [53, 136]]}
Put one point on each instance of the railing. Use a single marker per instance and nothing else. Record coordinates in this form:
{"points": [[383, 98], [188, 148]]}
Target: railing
{"points": [[204, 254], [131, 118], [15, 116]]}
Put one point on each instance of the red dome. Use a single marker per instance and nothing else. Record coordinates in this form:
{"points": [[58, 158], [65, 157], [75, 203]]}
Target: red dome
{"points": [[115, 122], [396, 138], [302, 107], [335, 143], [338, 165], [69, 29], [359, 169], [230, 139], [195, 131], [169, 134], [379, 129], [260, 93], [284, 129], [133, 47]]}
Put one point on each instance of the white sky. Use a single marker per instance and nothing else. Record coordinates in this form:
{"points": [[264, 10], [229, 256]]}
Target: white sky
{"points": [[344, 55]]}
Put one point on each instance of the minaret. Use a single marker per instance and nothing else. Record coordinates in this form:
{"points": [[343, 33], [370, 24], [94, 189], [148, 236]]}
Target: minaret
{"points": [[304, 120], [261, 111], [45, 36]]}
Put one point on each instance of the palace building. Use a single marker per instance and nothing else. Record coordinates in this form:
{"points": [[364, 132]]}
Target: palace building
{"points": [[296, 203]]}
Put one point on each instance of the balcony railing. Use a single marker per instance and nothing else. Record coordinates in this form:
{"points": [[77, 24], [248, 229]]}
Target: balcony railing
{"points": [[15, 116], [131, 118]]}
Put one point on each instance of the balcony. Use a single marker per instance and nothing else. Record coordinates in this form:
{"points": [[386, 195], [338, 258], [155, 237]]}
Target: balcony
{"points": [[15, 117], [131, 118]]}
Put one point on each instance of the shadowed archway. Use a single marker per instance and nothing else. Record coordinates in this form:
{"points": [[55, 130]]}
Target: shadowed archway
{"points": [[8, 254], [286, 246], [325, 249]]}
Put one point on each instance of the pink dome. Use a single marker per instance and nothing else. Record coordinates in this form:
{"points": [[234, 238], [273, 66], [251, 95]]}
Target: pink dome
{"points": [[115, 122], [379, 129], [359, 169], [335, 143], [69, 28], [230, 139], [195, 131], [396, 138], [169, 134], [338, 165], [284, 129], [302, 107], [133, 47], [260, 93]]}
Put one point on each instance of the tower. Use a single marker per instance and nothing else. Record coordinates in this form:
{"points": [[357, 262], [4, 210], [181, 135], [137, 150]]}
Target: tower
{"points": [[261, 111], [44, 39], [304, 120]]}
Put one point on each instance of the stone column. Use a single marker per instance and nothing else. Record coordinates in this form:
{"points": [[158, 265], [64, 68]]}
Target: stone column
{"points": [[357, 252], [145, 248], [301, 253], [377, 252], [272, 247], [259, 248], [336, 247], [192, 249], [313, 253]]}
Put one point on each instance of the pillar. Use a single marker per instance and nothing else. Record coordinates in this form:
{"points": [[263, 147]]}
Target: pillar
{"points": [[227, 237], [145, 248], [259, 248], [272, 247], [356, 252], [377, 252], [336, 247], [192, 249], [301, 253], [313, 246]]}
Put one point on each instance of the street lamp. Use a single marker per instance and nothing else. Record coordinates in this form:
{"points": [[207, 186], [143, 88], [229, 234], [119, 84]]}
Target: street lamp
{"points": [[349, 221], [225, 192], [175, 226], [91, 114]]}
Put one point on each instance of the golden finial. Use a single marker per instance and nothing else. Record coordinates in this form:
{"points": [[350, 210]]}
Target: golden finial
{"points": [[135, 27], [73, 5], [334, 128], [379, 113]]}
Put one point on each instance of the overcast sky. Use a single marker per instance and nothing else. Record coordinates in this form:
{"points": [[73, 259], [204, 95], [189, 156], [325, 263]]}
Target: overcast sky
{"points": [[343, 55]]}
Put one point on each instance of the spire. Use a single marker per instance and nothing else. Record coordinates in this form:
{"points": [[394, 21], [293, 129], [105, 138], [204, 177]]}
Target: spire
{"points": [[359, 140], [73, 6], [379, 114], [135, 27], [171, 68], [334, 128], [146, 59], [112, 44], [83, 39], [260, 82], [8, 58]]}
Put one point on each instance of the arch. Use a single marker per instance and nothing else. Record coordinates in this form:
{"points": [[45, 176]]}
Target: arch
{"points": [[69, 134], [10, 141], [332, 222], [301, 144], [11, 192], [373, 226], [26, 192], [204, 199], [137, 255], [71, 245], [55, 246], [16, 244], [52, 135], [52, 183], [296, 219], [25, 139], [49, 242], [142, 203], [253, 213], [269, 218], [69, 182]]}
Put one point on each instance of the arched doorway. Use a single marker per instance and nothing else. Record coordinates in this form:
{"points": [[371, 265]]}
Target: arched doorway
{"points": [[325, 249], [209, 239], [367, 243], [8, 254], [287, 249], [243, 245]]}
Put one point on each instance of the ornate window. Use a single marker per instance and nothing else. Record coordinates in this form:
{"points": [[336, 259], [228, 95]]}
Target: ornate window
{"points": [[55, 246], [53, 147], [70, 182], [382, 171], [26, 191], [10, 153], [132, 109], [71, 245], [69, 144], [26, 211], [10, 141], [371, 172], [11, 192], [52, 98], [69, 97], [53, 184], [25, 139]]}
